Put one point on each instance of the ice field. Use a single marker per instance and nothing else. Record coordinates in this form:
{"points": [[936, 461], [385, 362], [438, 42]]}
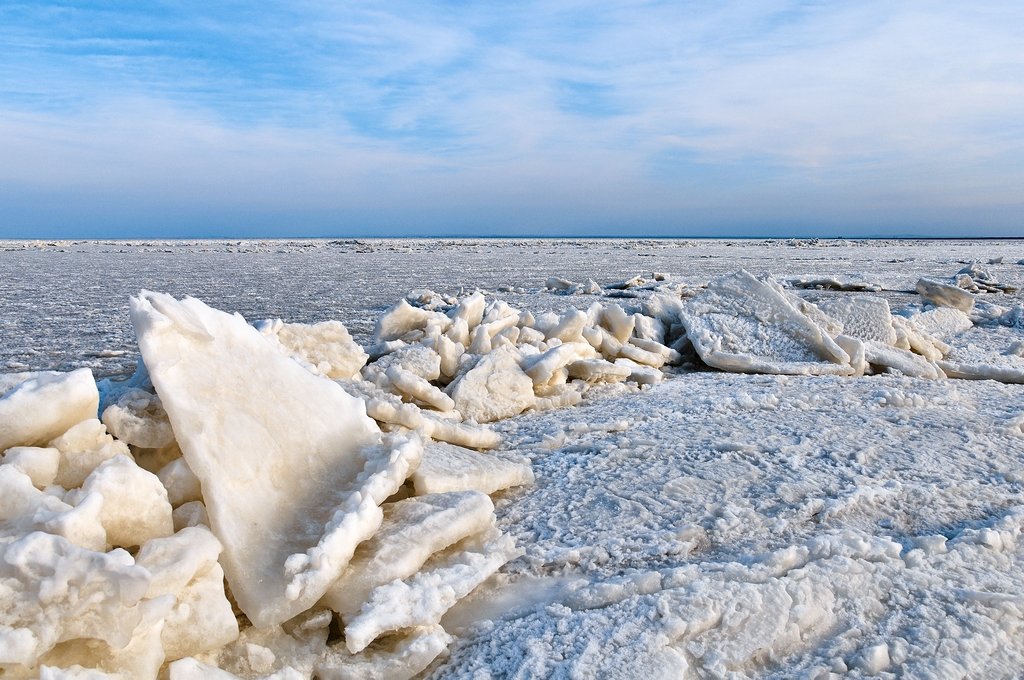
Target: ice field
{"points": [[512, 458]]}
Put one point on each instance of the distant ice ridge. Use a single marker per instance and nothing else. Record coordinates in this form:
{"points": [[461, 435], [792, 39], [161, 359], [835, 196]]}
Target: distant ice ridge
{"points": [[313, 483]]}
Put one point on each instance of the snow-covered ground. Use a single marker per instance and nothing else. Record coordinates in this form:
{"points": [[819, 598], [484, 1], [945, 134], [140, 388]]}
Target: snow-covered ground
{"points": [[715, 524]]}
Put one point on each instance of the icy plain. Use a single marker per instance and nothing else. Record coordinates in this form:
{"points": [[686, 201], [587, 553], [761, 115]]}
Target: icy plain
{"points": [[717, 524]]}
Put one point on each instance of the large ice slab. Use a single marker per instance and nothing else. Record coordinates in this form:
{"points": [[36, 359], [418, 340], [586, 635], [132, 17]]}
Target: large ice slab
{"points": [[741, 323], [943, 294], [36, 407], [292, 469]]}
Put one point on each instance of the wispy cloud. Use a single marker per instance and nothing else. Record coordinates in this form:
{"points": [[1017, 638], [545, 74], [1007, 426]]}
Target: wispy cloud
{"points": [[653, 116]]}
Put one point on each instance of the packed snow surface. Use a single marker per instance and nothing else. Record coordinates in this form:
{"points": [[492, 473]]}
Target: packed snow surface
{"points": [[608, 459]]}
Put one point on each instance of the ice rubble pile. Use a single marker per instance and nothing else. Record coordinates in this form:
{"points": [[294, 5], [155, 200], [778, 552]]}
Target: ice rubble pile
{"points": [[230, 511], [742, 323], [446, 373]]}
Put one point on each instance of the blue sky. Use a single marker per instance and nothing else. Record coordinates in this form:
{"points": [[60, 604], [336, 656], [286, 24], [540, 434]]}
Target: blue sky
{"points": [[122, 119]]}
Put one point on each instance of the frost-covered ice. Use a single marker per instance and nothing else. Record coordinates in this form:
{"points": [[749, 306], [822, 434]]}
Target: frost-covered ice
{"points": [[544, 478]]}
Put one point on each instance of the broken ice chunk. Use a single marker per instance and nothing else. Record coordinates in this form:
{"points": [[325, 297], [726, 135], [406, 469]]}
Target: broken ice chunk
{"points": [[403, 318], [278, 652], [460, 434], [453, 468], [53, 591], [650, 353], [193, 669], [543, 367], [561, 396], [901, 360], [140, 659], [569, 326], [181, 483], [495, 388], [615, 320], [422, 599], [395, 659], [417, 388], [36, 407], [598, 370], [192, 514], [917, 340], [470, 310], [639, 373], [40, 464], [135, 507], [326, 348], [942, 322], [292, 469], [138, 418], [740, 323], [185, 566], [412, 531], [649, 328], [82, 449], [945, 295], [855, 348], [24, 509]]}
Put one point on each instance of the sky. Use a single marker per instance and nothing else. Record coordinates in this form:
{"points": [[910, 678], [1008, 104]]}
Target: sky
{"points": [[554, 117]]}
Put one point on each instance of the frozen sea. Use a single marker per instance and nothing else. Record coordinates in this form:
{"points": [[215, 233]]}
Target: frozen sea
{"points": [[64, 304], [715, 525]]}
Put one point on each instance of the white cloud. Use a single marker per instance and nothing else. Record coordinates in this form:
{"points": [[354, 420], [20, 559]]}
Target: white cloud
{"points": [[453, 115]]}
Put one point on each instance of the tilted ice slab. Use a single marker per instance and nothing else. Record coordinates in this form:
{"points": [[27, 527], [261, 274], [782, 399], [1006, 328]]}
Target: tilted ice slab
{"points": [[292, 469], [744, 324], [413, 530], [422, 599]]}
